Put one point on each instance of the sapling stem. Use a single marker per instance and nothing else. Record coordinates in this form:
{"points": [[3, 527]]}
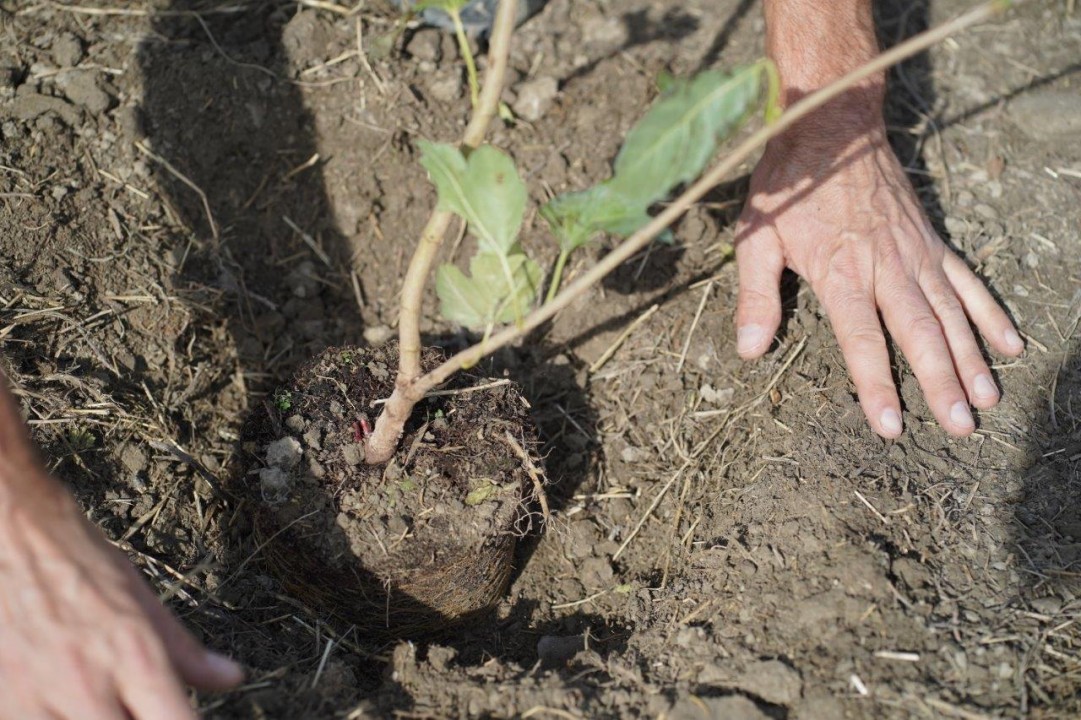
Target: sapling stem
{"points": [[467, 54], [406, 394], [557, 275], [380, 445]]}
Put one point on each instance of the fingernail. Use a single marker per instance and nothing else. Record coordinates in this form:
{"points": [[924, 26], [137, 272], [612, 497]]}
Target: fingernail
{"points": [[890, 421], [1013, 340], [960, 415], [984, 387], [224, 667], [750, 338]]}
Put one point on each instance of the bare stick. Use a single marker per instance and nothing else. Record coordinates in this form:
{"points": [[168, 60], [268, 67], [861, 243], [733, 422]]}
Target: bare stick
{"points": [[715, 176], [388, 428]]}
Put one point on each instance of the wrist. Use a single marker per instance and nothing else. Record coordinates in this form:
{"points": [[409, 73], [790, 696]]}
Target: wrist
{"points": [[813, 43]]}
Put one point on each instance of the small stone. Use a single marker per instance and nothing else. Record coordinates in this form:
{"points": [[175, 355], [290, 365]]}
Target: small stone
{"points": [[274, 484], [956, 226], [986, 211], [67, 51], [81, 88], [337, 409], [440, 657], [445, 88], [557, 650], [353, 453], [296, 423], [1032, 260], [605, 33], [314, 438], [133, 458], [630, 455], [424, 46], [713, 396], [965, 199], [376, 335], [285, 453], [535, 98]]}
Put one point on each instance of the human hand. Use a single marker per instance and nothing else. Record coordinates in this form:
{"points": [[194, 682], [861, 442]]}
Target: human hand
{"points": [[82, 637], [836, 208]]}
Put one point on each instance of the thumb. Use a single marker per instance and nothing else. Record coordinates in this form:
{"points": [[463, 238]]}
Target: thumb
{"points": [[758, 312], [201, 668]]}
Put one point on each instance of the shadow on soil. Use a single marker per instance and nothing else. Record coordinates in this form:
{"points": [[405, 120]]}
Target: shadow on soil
{"points": [[221, 110]]}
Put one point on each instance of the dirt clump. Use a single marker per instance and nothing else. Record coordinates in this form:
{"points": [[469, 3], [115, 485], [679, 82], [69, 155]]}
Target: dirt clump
{"points": [[399, 549]]}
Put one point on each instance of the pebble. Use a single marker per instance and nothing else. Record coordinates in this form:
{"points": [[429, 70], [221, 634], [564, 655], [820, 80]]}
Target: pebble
{"points": [[67, 51], [713, 396], [445, 88], [986, 211], [81, 88], [313, 438], [956, 226], [353, 453], [535, 98], [296, 423], [134, 458], [285, 452], [376, 335], [557, 649], [1047, 114], [273, 484], [425, 46]]}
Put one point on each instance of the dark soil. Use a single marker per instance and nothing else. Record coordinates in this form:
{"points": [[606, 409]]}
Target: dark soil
{"points": [[197, 198], [402, 549]]}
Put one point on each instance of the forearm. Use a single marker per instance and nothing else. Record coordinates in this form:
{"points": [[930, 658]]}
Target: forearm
{"points": [[814, 42]]}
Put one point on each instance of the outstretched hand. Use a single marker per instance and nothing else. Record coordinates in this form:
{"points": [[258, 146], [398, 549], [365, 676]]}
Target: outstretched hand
{"points": [[82, 637], [837, 208]]}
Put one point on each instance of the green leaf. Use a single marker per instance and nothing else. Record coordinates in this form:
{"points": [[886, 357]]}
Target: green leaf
{"points": [[576, 217], [446, 6], [484, 190], [512, 281], [460, 300], [675, 140], [501, 289]]}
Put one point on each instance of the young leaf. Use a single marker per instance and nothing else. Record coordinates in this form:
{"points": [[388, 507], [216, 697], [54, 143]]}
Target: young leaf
{"points": [[514, 280], [576, 217], [500, 290], [460, 299], [484, 189], [675, 140]]}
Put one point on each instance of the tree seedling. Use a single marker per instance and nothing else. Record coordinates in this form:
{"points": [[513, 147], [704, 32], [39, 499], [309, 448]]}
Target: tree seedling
{"points": [[670, 146]]}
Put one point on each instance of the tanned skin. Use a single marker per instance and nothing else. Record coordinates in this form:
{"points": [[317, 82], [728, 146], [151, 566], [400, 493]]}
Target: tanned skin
{"points": [[83, 638], [830, 201]]}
